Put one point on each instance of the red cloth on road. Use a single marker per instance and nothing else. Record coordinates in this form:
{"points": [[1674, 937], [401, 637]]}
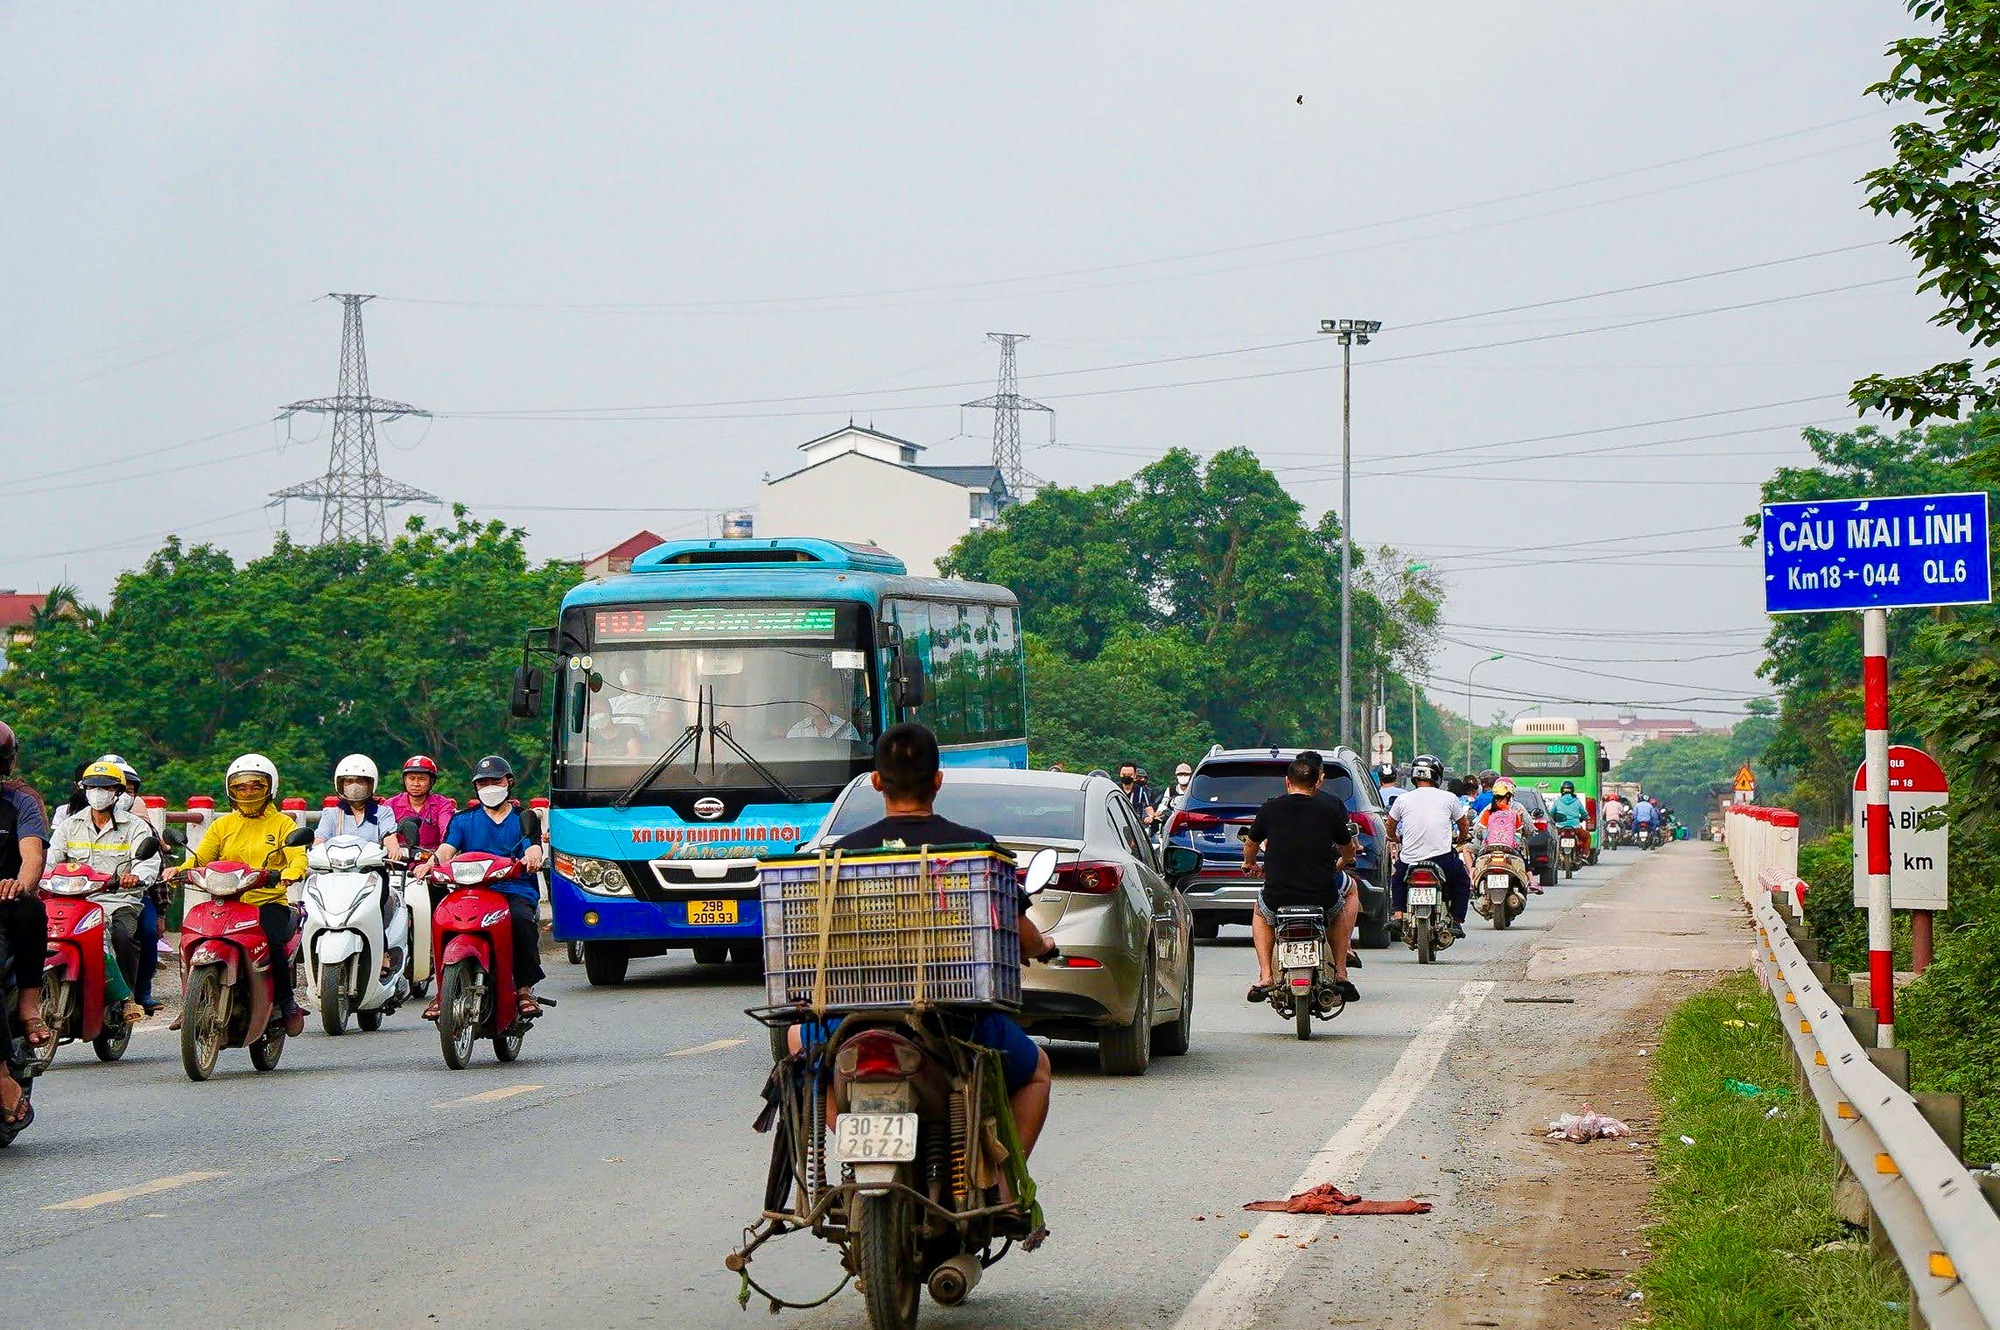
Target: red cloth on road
{"points": [[1331, 1200]]}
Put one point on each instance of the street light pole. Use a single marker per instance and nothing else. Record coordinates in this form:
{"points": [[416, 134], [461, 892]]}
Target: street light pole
{"points": [[1349, 331], [1498, 655]]}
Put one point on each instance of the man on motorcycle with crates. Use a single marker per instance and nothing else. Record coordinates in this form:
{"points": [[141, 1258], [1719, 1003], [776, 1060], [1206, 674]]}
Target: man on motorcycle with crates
{"points": [[908, 774], [1428, 822], [253, 832], [102, 835]]}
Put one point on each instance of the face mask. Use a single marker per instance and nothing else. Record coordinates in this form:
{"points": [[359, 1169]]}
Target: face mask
{"points": [[100, 799], [1181, 782], [125, 803], [354, 791], [493, 795]]}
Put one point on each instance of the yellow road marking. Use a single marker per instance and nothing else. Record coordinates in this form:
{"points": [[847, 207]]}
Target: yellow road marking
{"points": [[142, 1189], [712, 1046], [488, 1096]]}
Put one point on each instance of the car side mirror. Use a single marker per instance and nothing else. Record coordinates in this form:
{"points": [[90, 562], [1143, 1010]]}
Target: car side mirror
{"points": [[909, 679], [1183, 862], [527, 703], [303, 836], [1040, 872]]}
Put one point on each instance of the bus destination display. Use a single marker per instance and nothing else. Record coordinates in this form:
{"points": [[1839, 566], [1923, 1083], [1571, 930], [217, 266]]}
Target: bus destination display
{"points": [[695, 623], [1542, 759]]}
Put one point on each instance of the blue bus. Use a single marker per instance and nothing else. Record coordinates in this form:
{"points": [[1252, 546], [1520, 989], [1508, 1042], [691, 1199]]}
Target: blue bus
{"points": [[708, 706]]}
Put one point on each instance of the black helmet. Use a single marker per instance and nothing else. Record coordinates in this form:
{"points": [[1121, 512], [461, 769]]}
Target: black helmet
{"points": [[1427, 768], [493, 767], [1488, 776], [1569, 787]]}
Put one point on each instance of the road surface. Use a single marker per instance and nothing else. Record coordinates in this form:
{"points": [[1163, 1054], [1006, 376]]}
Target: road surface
{"points": [[600, 1180]]}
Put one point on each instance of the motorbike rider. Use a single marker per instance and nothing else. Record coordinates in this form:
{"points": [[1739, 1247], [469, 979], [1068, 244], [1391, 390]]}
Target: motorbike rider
{"points": [[419, 799], [494, 826], [1570, 811], [1428, 821], [908, 775], [24, 839], [1644, 815], [253, 832], [102, 836], [369, 820], [1482, 798], [158, 898], [1311, 847]]}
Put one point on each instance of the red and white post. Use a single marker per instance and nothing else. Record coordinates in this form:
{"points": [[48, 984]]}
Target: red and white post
{"points": [[1875, 717]]}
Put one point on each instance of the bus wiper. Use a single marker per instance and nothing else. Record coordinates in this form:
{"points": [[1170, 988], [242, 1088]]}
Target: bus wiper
{"points": [[691, 735], [722, 733]]}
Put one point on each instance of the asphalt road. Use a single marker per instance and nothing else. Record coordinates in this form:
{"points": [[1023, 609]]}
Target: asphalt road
{"points": [[600, 1180]]}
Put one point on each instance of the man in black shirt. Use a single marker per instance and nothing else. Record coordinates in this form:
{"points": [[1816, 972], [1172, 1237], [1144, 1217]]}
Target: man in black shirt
{"points": [[1307, 847], [909, 775]]}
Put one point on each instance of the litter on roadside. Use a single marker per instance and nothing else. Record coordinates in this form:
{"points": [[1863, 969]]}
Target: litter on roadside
{"points": [[1328, 1199], [1583, 1274], [1687, 1140], [1739, 1025], [1749, 1091], [1589, 1125]]}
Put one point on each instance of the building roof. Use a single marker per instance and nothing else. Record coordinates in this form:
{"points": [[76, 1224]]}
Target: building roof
{"points": [[851, 428], [17, 610], [937, 473], [631, 547], [983, 477]]}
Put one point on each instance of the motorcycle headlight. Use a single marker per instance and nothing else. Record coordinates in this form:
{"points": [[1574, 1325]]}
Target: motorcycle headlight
{"points": [[600, 877]]}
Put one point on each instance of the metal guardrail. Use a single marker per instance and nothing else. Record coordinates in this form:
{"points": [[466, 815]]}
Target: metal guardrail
{"points": [[1931, 1209]]}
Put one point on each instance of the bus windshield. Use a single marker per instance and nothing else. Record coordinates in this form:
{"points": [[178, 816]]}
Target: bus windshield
{"points": [[1539, 758], [747, 697]]}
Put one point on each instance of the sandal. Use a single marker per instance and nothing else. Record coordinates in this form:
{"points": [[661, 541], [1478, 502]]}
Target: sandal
{"points": [[37, 1031], [22, 1113], [525, 1006], [1258, 992], [435, 1009]]}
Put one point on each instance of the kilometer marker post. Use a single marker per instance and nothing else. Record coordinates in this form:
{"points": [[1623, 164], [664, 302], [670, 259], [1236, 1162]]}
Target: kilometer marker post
{"points": [[1875, 749]]}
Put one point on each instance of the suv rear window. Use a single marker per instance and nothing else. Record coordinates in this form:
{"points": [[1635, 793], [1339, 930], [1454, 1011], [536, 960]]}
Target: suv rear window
{"points": [[1247, 784]]}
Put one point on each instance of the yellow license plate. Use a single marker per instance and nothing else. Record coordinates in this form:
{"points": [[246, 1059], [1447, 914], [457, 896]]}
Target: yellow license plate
{"points": [[702, 913]]}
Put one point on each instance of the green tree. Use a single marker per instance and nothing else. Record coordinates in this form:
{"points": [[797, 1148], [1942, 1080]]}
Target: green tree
{"points": [[1946, 181]]}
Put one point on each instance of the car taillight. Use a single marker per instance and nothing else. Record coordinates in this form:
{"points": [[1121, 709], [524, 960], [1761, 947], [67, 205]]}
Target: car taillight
{"points": [[879, 1055], [1193, 822], [1089, 878], [1541, 824], [1364, 823]]}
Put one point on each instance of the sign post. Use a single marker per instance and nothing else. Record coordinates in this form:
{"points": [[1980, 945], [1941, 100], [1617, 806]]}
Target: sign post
{"points": [[1746, 785], [1872, 555], [1920, 857]]}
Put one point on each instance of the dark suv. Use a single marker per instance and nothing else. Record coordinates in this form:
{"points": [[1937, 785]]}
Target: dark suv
{"points": [[1228, 788]]}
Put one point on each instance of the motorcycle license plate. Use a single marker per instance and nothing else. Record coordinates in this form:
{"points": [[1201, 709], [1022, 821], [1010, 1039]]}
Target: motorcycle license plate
{"points": [[1498, 884], [1423, 895], [1298, 955], [875, 1138], [702, 913]]}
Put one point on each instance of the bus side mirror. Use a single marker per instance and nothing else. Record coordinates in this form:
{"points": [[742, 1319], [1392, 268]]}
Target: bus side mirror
{"points": [[909, 680], [527, 702]]}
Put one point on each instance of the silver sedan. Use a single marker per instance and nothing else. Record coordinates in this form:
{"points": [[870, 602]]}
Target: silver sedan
{"points": [[1125, 981]]}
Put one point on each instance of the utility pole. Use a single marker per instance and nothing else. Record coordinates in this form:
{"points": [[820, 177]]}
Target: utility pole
{"points": [[1349, 331], [1498, 655], [354, 495], [1007, 405]]}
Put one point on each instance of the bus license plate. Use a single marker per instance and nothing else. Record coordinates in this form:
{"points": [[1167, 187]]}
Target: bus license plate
{"points": [[875, 1138], [1298, 955], [1423, 895], [702, 913]]}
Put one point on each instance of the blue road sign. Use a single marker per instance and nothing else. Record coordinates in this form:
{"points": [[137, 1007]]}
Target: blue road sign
{"points": [[1860, 554]]}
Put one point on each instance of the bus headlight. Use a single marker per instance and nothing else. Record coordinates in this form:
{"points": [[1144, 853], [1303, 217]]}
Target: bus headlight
{"points": [[600, 877]]}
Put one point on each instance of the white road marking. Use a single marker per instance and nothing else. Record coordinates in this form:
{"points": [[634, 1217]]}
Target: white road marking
{"points": [[712, 1046], [488, 1096], [1228, 1301], [141, 1189]]}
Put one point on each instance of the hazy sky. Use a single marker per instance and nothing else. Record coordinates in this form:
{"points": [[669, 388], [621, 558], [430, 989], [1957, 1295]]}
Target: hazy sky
{"points": [[745, 223]]}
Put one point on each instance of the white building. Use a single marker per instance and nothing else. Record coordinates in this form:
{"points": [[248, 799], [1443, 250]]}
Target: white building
{"points": [[862, 485], [1622, 735]]}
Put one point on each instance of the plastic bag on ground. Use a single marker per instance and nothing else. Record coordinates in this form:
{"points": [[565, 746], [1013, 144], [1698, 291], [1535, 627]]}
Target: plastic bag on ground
{"points": [[1589, 1125]]}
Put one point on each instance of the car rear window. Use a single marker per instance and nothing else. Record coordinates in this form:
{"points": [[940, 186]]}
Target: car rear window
{"points": [[1239, 783], [1532, 801], [1007, 812]]}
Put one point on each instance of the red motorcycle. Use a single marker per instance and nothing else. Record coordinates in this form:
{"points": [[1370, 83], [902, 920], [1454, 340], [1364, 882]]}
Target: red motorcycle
{"points": [[73, 1005], [228, 997], [472, 937]]}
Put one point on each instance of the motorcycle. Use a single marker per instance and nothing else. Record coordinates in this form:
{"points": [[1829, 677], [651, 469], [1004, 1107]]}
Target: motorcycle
{"points": [[1306, 985], [73, 1005], [1569, 847], [355, 966], [1646, 837], [228, 994], [931, 1178], [1427, 926], [473, 933], [1500, 884]]}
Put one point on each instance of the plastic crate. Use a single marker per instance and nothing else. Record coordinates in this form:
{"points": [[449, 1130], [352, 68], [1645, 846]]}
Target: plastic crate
{"points": [[904, 929]]}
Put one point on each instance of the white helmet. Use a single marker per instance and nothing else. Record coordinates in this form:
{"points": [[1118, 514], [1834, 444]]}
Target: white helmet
{"points": [[253, 764], [356, 765]]}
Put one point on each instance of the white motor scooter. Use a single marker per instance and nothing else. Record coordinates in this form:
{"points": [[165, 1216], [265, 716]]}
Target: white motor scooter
{"points": [[343, 942]]}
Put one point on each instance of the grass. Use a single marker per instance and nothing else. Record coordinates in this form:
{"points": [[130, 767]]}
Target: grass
{"points": [[1741, 1212]]}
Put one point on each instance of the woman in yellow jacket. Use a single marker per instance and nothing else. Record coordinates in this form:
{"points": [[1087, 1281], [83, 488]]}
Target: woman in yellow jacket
{"points": [[253, 832]]}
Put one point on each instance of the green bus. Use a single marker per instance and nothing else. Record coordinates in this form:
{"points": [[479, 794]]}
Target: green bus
{"points": [[1545, 751]]}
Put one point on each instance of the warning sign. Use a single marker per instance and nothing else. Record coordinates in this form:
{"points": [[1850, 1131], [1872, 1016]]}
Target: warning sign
{"points": [[1919, 841], [1746, 779]]}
